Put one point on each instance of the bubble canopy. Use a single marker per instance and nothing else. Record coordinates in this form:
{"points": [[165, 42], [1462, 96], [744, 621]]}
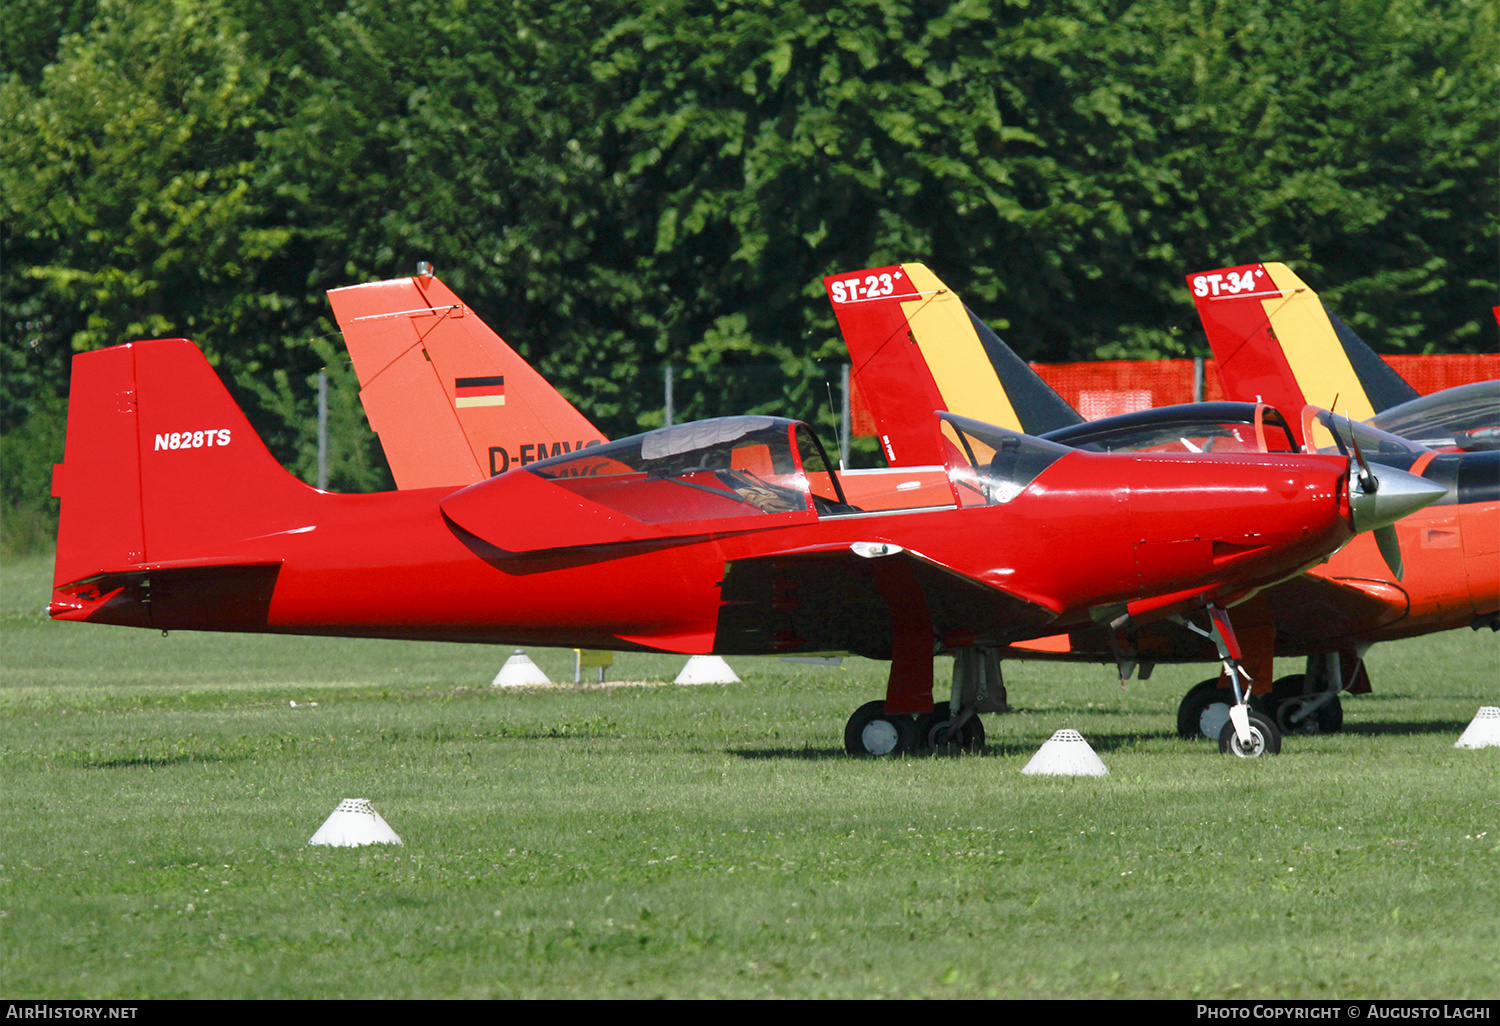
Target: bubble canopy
{"points": [[706, 470], [1001, 462]]}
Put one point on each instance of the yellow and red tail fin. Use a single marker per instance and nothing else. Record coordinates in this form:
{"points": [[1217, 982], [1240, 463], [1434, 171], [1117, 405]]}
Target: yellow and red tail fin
{"points": [[160, 466], [1276, 342], [916, 349], [451, 402]]}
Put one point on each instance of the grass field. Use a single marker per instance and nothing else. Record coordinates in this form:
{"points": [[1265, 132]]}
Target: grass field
{"points": [[157, 794]]}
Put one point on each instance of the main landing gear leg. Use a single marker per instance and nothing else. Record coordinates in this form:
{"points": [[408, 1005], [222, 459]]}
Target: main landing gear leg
{"points": [[887, 728], [1247, 734], [977, 688], [1308, 703]]}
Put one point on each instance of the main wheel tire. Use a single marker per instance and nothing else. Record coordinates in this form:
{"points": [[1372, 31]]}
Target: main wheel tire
{"points": [[1331, 717], [1288, 697], [932, 729], [870, 731], [1265, 739], [1204, 710]]}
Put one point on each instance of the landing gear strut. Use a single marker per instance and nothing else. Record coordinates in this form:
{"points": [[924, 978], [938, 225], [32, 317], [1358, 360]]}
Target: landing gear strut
{"points": [[952, 727], [1225, 713]]}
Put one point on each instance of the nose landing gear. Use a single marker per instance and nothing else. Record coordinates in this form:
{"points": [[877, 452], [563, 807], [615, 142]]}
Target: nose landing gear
{"points": [[1225, 713]]}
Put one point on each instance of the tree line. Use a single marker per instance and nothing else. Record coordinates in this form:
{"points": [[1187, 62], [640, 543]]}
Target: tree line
{"points": [[618, 186]]}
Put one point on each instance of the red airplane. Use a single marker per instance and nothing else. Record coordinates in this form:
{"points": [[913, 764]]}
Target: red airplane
{"points": [[730, 536], [415, 332], [915, 346]]}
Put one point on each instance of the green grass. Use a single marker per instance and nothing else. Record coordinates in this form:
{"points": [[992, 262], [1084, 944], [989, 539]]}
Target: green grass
{"points": [[157, 794]]}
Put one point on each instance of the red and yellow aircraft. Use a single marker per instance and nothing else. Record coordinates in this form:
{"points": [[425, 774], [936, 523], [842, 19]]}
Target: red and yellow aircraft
{"points": [[729, 536], [915, 346], [1274, 338]]}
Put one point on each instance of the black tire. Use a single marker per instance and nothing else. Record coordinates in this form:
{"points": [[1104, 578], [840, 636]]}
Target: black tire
{"points": [[1288, 697], [932, 728], [1265, 739], [1331, 717], [871, 732], [1201, 697], [1293, 685]]}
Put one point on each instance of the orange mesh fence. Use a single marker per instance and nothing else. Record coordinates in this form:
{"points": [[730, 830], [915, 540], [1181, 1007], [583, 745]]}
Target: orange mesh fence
{"points": [[1429, 374], [1105, 388]]}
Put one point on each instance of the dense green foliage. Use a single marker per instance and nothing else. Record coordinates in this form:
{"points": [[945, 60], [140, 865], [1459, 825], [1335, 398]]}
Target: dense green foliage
{"points": [[615, 187]]}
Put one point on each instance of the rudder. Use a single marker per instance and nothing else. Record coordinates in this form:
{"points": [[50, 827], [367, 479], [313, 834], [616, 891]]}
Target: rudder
{"points": [[160, 465]]}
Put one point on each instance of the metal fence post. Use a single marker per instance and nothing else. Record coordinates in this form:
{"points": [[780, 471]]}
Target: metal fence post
{"points": [[844, 422], [323, 429]]}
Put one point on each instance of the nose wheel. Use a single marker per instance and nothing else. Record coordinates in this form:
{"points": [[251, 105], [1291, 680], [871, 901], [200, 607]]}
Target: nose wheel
{"points": [[1264, 739], [1226, 713]]}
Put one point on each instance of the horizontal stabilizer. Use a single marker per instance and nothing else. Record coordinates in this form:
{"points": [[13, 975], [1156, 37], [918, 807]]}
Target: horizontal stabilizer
{"points": [[208, 597]]}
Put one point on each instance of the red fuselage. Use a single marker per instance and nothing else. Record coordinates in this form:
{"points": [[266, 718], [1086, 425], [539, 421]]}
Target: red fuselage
{"points": [[1091, 531]]}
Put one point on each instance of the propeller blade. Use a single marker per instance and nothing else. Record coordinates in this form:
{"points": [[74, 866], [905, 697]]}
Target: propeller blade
{"points": [[1390, 548], [1368, 482], [1338, 439]]}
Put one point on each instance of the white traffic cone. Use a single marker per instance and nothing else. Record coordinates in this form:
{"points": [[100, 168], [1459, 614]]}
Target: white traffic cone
{"points": [[518, 671], [1066, 754], [706, 670], [1483, 730], [352, 824]]}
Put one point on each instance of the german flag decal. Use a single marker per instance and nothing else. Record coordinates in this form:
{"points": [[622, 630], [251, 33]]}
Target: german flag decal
{"points": [[479, 391]]}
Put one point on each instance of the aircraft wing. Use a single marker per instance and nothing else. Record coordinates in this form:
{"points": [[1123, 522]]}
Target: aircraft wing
{"points": [[1312, 608], [832, 599], [1308, 613]]}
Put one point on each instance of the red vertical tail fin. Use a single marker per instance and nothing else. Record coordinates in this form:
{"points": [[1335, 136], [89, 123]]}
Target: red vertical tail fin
{"points": [[161, 466], [1276, 342]]}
